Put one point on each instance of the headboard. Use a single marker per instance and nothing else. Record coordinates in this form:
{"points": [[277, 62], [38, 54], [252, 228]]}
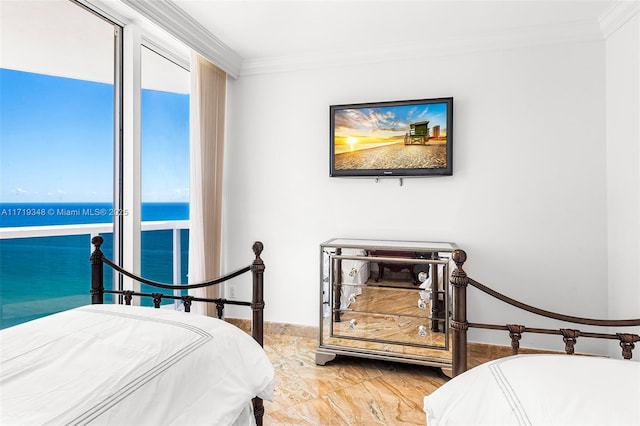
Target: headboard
{"points": [[98, 260], [459, 324]]}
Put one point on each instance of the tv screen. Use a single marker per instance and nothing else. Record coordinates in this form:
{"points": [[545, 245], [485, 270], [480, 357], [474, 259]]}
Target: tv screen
{"points": [[401, 138]]}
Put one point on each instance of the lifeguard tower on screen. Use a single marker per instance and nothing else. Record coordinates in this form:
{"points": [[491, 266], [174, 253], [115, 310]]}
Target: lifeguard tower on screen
{"points": [[419, 133]]}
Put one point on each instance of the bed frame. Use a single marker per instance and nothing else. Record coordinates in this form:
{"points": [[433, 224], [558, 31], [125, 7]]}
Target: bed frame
{"points": [[460, 325], [98, 260]]}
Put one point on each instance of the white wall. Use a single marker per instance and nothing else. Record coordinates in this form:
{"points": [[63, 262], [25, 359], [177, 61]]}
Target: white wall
{"points": [[623, 160], [527, 199]]}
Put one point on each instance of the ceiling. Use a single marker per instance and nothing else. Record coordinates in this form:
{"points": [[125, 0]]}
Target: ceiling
{"points": [[246, 37], [267, 29]]}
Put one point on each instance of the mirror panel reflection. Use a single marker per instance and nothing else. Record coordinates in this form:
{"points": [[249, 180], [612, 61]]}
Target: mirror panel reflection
{"points": [[388, 300]]}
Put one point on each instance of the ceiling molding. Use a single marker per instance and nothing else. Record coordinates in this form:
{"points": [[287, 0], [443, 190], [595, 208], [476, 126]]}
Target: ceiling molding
{"points": [[168, 16], [618, 15], [575, 32], [183, 27]]}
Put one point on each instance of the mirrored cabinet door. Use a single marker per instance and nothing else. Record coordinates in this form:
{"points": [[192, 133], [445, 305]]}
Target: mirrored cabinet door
{"points": [[385, 300]]}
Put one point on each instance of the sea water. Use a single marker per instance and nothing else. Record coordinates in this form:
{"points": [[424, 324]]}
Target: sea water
{"points": [[43, 275]]}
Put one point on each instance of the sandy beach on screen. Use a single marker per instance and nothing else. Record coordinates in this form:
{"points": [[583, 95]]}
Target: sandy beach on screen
{"points": [[396, 156]]}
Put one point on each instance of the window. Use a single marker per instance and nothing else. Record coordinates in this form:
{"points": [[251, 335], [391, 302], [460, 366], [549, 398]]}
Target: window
{"points": [[56, 162], [60, 103], [165, 168]]}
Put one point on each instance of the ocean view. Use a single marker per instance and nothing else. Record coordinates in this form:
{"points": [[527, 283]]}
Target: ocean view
{"points": [[43, 275]]}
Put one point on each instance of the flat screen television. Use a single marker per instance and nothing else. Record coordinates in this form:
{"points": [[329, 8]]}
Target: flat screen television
{"points": [[400, 138]]}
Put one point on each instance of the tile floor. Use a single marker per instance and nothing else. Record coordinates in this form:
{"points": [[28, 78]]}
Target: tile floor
{"points": [[346, 391]]}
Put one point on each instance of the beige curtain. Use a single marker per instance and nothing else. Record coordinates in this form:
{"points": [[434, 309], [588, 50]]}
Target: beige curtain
{"points": [[207, 114]]}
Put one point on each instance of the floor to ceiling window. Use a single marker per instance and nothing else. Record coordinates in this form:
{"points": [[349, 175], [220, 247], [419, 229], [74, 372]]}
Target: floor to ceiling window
{"points": [[59, 108], [56, 153], [165, 167]]}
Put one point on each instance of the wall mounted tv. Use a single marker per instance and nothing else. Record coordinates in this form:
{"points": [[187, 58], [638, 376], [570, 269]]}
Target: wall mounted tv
{"points": [[396, 139]]}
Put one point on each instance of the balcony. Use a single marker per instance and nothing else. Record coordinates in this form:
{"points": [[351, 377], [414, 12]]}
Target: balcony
{"points": [[46, 270]]}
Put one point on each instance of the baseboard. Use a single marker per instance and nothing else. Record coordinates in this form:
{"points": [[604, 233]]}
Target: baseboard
{"points": [[305, 331], [491, 352]]}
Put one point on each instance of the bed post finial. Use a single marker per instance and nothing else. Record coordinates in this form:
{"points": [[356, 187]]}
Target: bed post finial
{"points": [[97, 272], [459, 257], [257, 249], [459, 324]]}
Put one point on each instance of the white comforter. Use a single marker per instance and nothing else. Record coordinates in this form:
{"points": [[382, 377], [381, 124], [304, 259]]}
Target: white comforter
{"points": [[540, 390], [126, 365]]}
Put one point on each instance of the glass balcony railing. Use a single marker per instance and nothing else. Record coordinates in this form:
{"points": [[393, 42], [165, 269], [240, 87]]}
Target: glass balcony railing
{"points": [[46, 269]]}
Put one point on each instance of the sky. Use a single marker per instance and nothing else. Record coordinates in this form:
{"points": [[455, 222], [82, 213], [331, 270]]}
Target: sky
{"points": [[56, 141], [368, 124]]}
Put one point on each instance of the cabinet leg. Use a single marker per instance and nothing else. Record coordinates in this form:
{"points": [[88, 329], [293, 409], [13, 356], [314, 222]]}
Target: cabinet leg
{"points": [[447, 372], [323, 357]]}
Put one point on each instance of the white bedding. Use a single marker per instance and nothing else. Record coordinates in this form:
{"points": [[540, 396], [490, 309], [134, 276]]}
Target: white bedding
{"points": [[540, 390], [128, 365]]}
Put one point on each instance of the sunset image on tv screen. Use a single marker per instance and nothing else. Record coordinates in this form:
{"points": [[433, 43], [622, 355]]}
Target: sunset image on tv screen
{"points": [[412, 136]]}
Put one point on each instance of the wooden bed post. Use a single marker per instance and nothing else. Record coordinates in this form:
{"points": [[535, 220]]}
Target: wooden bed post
{"points": [[97, 272], [257, 303], [459, 324], [257, 323]]}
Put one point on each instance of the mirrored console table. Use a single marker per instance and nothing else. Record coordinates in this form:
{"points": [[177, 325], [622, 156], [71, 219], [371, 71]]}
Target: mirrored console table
{"points": [[385, 300]]}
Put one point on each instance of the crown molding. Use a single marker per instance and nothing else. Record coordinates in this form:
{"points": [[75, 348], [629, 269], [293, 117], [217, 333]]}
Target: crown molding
{"points": [[576, 32], [617, 15], [172, 19], [183, 27]]}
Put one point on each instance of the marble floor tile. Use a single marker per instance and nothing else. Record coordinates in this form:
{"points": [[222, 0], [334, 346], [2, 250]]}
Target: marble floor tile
{"points": [[346, 391]]}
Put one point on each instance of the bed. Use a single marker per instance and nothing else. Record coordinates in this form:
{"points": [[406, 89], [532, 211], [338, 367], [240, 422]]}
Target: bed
{"points": [[540, 390], [536, 389], [121, 364]]}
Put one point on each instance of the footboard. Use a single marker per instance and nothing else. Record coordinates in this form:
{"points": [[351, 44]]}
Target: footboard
{"points": [[459, 324], [98, 260]]}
